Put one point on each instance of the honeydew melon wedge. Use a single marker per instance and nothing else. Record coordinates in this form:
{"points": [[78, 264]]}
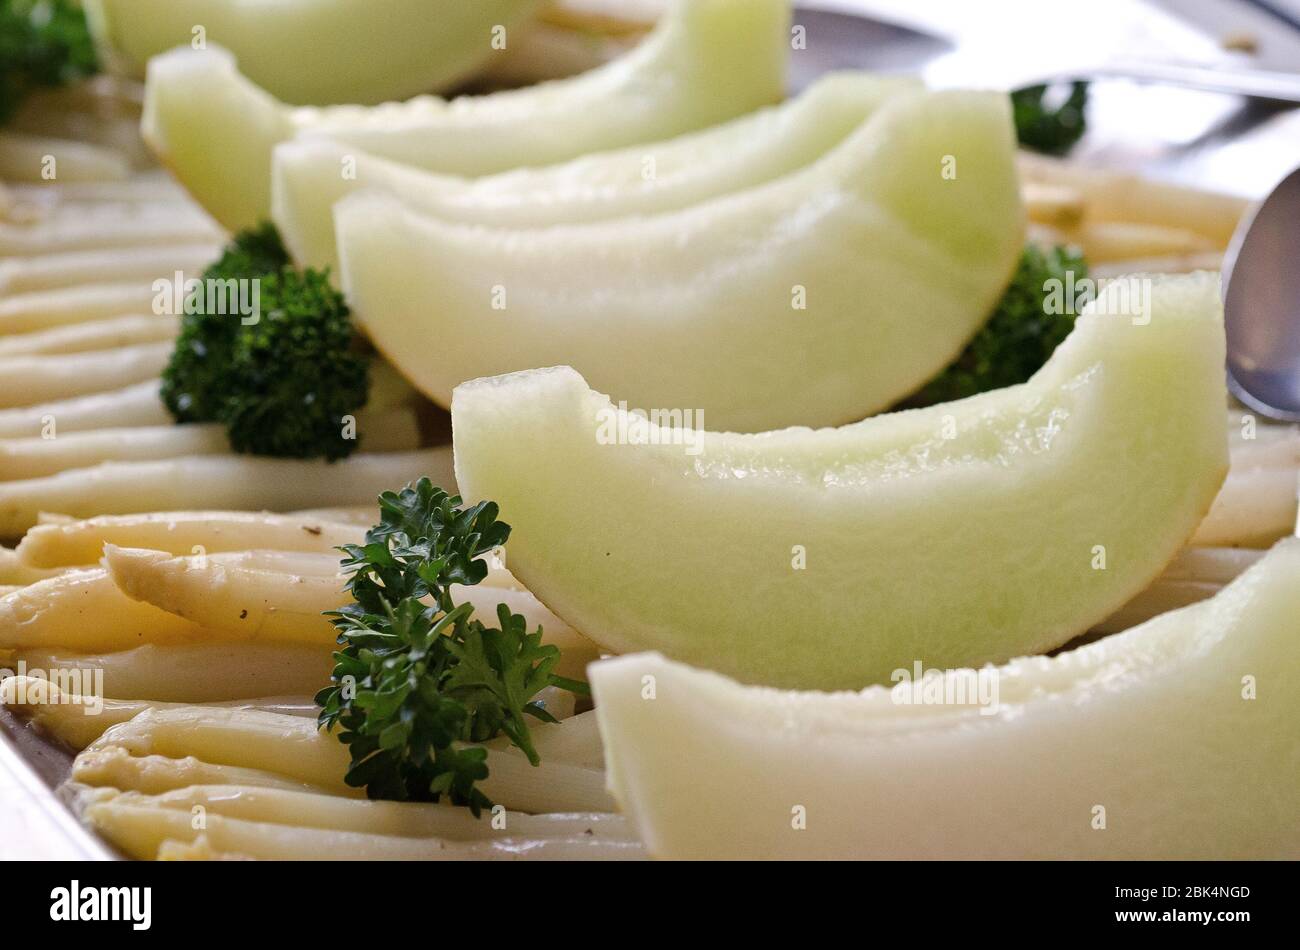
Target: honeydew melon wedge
{"points": [[815, 299], [708, 61], [964, 533], [308, 174], [1145, 745], [319, 52]]}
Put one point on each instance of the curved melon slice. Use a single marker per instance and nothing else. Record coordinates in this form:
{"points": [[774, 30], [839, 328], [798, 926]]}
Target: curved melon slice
{"points": [[319, 52], [815, 299], [708, 61], [960, 534], [307, 176], [1153, 726]]}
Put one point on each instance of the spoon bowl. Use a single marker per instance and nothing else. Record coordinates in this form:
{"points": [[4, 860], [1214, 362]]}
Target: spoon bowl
{"points": [[1261, 300]]}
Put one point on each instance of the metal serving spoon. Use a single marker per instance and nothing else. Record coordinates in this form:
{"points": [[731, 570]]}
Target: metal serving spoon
{"points": [[841, 40], [1261, 301]]}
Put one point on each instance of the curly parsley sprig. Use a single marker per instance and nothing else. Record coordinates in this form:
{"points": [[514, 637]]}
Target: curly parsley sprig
{"points": [[1047, 126], [418, 676]]}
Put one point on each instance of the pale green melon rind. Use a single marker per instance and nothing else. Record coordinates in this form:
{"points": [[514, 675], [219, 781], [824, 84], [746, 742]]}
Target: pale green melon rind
{"points": [[1151, 724], [308, 179], [308, 51], [953, 551], [214, 131], [700, 308], [708, 61]]}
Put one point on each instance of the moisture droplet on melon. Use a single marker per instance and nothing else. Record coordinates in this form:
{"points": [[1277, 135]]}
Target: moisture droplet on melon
{"points": [[969, 532]]}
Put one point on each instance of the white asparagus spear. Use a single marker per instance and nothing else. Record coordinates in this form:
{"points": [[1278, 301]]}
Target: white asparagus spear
{"points": [[36, 457], [1253, 509], [1246, 427], [61, 542], [200, 849], [14, 571], [45, 309], [165, 213], [143, 264], [61, 232], [1104, 242], [289, 746], [84, 611], [113, 133], [1210, 565], [25, 380], [232, 482], [77, 719], [575, 742], [104, 334], [238, 598], [137, 405], [1272, 452], [394, 430], [104, 92], [145, 188], [68, 716], [362, 516], [293, 747], [195, 673], [572, 771], [1059, 206], [180, 532], [303, 809], [1166, 264], [322, 565], [140, 830], [232, 599], [115, 767], [1118, 196], [32, 158]]}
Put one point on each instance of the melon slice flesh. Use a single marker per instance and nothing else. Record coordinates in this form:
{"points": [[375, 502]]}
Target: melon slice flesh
{"points": [[969, 532], [1144, 745], [319, 52], [307, 176], [708, 61], [816, 299]]}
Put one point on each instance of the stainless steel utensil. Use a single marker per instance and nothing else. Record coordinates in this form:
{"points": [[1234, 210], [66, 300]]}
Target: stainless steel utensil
{"points": [[1261, 299], [839, 40]]}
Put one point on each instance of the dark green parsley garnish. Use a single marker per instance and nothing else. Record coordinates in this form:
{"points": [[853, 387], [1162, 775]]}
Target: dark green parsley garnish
{"points": [[1046, 127], [282, 385], [419, 676]]}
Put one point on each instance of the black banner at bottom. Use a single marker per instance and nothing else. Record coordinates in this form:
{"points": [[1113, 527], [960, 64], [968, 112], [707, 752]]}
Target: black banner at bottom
{"points": [[340, 902]]}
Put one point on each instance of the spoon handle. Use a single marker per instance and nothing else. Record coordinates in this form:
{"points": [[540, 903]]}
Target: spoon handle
{"points": [[1256, 83]]}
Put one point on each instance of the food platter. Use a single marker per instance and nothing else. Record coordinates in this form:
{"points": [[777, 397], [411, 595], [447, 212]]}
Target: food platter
{"points": [[685, 211]]}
